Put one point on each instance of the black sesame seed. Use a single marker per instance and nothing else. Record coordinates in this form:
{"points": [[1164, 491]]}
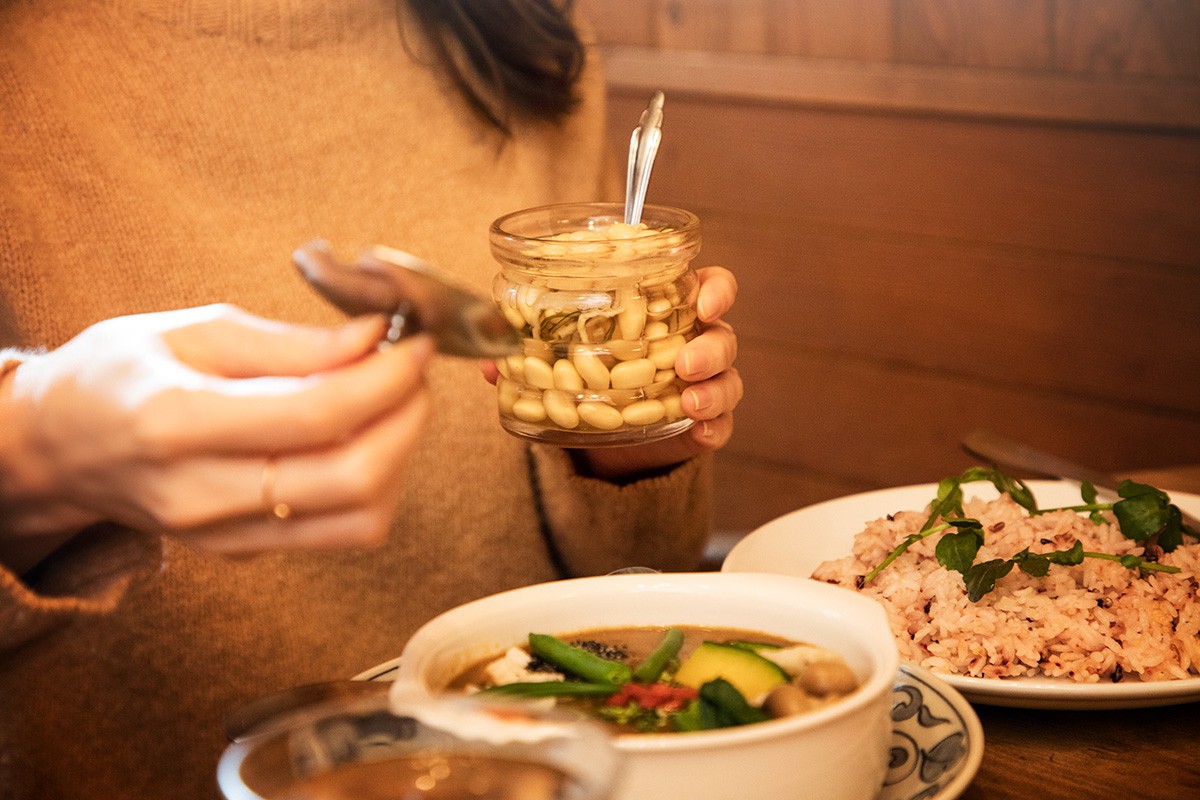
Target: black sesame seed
{"points": [[860, 581], [612, 652], [1117, 674]]}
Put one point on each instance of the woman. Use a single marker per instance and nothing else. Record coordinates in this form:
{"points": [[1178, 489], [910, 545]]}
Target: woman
{"points": [[161, 161]]}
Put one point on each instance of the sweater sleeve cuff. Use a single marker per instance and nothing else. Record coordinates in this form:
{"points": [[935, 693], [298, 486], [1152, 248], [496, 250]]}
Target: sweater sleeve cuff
{"points": [[661, 522], [87, 577]]}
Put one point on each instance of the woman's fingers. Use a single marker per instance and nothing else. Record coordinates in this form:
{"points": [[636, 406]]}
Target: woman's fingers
{"points": [[358, 473], [283, 414], [709, 354], [718, 291], [195, 496], [235, 344], [712, 398]]}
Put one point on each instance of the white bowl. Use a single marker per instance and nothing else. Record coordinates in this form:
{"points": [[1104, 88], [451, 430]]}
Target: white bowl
{"points": [[839, 752]]}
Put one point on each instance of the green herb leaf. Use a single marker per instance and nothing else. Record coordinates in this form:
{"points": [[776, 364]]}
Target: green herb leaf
{"points": [[1141, 515], [1171, 535], [981, 578], [1069, 557], [1034, 564], [1088, 492], [1014, 488], [1129, 488], [957, 551]]}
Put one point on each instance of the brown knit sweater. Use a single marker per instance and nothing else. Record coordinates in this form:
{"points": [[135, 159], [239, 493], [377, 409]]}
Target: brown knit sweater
{"points": [[158, 154]]}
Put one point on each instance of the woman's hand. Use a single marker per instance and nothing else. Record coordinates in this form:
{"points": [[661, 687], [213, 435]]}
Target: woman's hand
{"points": [[707, 362], [197, 423]]}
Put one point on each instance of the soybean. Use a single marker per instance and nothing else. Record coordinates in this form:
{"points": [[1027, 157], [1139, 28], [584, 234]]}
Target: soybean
{"points": [[538, 373], [643, 412], [560, 408], [592, 370], [664, 351], [600, 415], [566, 377], [529, 409], [633, 374]]}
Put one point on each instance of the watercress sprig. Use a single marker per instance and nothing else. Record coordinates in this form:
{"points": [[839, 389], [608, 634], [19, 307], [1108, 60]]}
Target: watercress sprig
{"points": [[1144, 514], [947, 506]]}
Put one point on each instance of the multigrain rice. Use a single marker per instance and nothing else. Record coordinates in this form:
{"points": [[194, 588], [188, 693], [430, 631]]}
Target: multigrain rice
{"points": [[1098, 620]]}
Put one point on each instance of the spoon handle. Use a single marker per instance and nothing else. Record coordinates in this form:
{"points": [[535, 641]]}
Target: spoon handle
{"points": [[643, 146]]}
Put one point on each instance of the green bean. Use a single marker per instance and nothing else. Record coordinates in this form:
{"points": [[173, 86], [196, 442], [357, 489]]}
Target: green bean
{"points": [[552, 689], [577, 661], [649, 670]]}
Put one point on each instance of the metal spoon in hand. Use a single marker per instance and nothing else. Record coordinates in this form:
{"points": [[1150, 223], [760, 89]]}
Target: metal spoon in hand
{"points": [[418, 297]]}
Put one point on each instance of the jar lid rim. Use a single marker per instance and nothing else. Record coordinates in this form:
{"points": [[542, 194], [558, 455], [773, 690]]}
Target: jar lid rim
{"points": [[688, 222]]}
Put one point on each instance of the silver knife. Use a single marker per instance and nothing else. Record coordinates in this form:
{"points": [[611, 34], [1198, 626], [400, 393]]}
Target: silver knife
{"points": [[1006, 452]]}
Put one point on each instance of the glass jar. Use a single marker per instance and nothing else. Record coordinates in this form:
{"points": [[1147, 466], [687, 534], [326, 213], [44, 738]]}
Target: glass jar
{"points": [[603, 309]]}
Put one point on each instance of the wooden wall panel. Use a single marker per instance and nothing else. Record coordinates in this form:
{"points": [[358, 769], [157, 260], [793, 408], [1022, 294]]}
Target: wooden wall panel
{"points": [[1008, 185], [628, 22], [819, 420], [1010, 34], [1128, 37], [907, 279], [858, 30], [944, 215], [1047, 322]]}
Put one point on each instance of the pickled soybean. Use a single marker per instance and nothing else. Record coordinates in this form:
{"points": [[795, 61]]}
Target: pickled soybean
{"points": [[644, 412], [633, 374], [664, 351], [566, 377], [600, 415], [507, 391], [592, 370], [529, 409], [538, 373], [560, 408]]}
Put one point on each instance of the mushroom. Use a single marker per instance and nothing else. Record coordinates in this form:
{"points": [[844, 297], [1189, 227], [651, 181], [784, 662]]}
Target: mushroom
{"points": [[787, 699], [827, 678]]}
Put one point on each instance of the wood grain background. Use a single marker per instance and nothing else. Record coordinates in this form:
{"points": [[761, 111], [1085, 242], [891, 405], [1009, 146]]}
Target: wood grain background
{"points": [[943, 215]]}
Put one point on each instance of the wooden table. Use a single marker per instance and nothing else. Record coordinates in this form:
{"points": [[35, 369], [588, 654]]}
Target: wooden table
{"points": [[1089, 755]]}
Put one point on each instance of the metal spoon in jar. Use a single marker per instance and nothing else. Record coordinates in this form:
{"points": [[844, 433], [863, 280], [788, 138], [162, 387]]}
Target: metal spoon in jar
{"points": [[643, 146], [417, 296]]}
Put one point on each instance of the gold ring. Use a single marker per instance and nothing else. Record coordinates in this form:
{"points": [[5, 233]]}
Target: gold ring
{"points": [[280, 511]]}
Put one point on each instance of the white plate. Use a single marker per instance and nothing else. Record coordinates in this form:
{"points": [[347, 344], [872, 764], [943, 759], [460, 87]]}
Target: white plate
{"points": [[937, 741], [796, 543]]}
